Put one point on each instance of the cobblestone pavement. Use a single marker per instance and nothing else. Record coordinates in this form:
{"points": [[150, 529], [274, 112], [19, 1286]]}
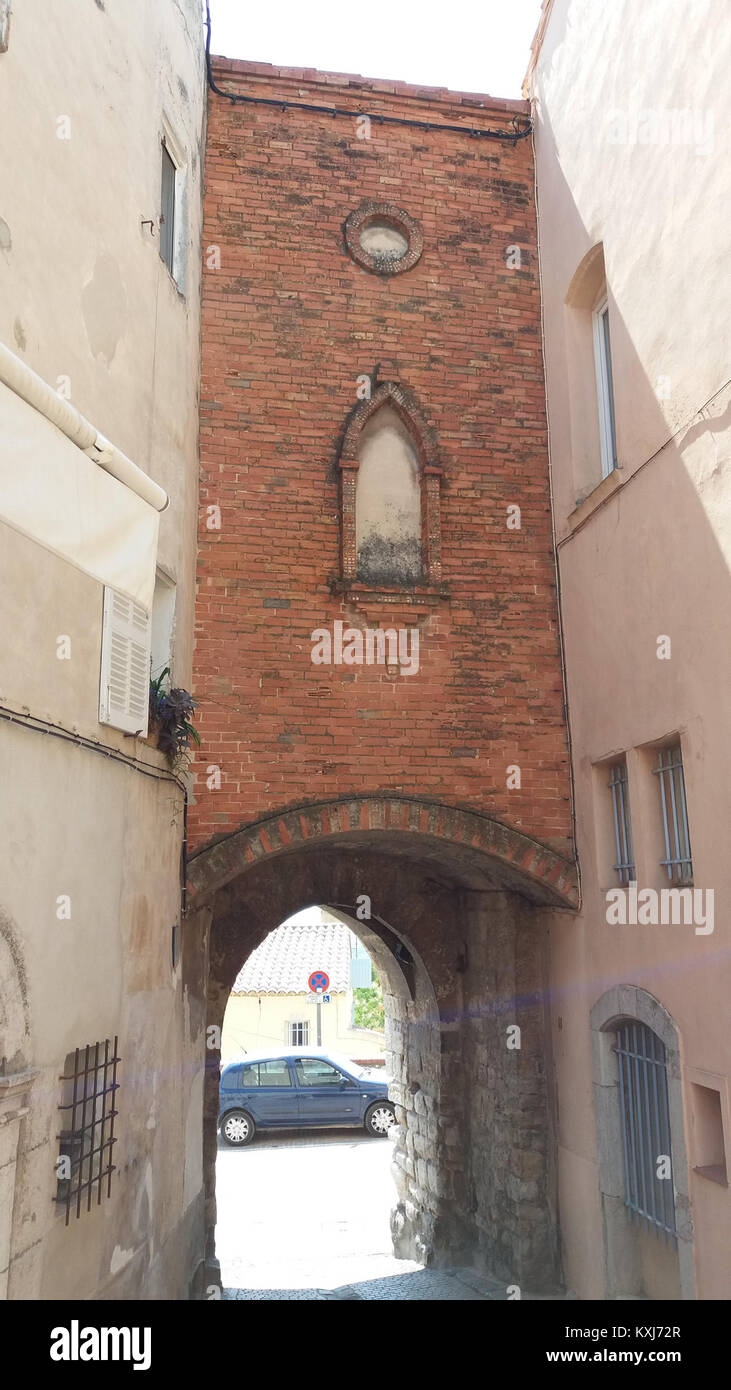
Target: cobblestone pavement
{"points": [[306, 1216]]}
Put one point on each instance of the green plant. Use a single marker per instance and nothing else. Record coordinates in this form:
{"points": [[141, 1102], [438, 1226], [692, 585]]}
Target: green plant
{"points": [[368, 1010], [170, 713]]}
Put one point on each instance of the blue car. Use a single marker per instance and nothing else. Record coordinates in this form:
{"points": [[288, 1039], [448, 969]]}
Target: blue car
{"points": [[300, 1090]]}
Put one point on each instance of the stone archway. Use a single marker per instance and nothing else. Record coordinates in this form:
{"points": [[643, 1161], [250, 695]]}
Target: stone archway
{"points": [[458, 905]]}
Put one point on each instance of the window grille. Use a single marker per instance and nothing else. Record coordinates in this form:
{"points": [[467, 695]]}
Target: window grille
{"points": [[299, 1034], [625, 865], [87, 1142], [645, 1116], [669, 770]]}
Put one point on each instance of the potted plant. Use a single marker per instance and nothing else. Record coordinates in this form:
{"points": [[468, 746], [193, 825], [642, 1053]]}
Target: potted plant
{"points": [[170, 728]]}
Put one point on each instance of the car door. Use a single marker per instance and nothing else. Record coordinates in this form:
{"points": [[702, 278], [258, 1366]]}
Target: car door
{"points": [[325, 1095], [269, 1094]]}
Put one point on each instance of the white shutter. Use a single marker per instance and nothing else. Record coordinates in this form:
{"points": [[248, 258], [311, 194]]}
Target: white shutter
{"points": [[124, 692]]}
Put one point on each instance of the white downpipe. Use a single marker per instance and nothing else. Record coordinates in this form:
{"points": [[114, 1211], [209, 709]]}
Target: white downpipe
{"points": [[33, 389]]}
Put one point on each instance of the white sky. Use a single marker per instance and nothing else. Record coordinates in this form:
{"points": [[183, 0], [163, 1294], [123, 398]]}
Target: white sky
{"points": [[468, 45]]}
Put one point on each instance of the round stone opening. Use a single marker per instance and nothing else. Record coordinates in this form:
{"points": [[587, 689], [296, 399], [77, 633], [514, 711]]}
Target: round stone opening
{"points": [[381, 239]]}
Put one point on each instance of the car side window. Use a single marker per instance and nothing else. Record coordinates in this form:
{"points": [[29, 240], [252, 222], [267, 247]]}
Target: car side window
{"points": [[274, 1073], [313, 1072], [248, 1077]]}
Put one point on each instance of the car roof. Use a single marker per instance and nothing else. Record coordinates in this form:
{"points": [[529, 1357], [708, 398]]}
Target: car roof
{"points": [[280, 1054]]}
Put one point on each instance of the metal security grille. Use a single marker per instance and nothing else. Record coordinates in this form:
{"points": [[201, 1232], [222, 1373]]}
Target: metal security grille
{"points": [[86, 1144], [625, 865], [299, 1034], [669, 770], [643, 1098]]}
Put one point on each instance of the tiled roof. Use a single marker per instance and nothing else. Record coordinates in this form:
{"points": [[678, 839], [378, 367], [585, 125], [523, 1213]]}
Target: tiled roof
{"points": [[284, 962]]}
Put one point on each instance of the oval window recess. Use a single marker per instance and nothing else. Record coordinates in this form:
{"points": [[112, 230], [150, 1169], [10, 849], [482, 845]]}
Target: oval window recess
{"points": [[383, 238], [379, 238]]}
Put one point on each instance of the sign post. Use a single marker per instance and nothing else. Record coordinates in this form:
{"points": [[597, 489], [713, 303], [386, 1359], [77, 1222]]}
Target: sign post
{"points": [[319, 982]]}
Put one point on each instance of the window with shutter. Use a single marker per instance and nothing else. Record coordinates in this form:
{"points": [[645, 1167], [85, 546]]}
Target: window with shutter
{"points": [[167, 211], [125, 677]]}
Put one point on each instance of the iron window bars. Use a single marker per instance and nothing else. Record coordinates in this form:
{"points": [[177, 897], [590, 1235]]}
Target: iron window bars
{"points": [[299, 1034], [625, 865], [90, 1079], [669, 770], [645, 1116]]}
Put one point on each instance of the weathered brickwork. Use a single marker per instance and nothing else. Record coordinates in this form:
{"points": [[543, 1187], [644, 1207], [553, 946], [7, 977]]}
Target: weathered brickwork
{"points": [[290, 322]]}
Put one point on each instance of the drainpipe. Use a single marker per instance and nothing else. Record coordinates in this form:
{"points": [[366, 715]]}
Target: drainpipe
{"points": [[33, 389]]}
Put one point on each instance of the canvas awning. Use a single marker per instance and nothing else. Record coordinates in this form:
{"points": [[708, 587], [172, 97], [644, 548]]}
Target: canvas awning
{"points": [[67, 488]]}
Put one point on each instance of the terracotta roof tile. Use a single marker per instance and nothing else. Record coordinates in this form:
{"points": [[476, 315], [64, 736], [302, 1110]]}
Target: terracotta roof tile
{"points": [[285, 960]]}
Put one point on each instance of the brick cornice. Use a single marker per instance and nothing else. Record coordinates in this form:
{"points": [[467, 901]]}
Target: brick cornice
{"points": [[235, 71]]}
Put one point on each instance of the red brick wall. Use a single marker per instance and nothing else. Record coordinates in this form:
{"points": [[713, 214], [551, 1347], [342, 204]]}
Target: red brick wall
{"points": [[289, 323]]}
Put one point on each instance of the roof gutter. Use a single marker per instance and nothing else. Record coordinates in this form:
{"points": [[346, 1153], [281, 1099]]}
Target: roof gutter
{"points": [[32, 388]]}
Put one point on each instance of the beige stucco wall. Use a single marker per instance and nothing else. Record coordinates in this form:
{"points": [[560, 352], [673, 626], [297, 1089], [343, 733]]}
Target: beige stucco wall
{"points": [[84, 294], [648, 553], [254, 1023]]}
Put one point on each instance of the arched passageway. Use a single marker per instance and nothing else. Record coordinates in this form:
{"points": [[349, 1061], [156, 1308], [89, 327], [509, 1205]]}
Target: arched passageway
{"points": [[457, 930]]}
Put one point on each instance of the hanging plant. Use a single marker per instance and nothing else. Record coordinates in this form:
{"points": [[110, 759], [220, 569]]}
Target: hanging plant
{"points": [[170, 719]]}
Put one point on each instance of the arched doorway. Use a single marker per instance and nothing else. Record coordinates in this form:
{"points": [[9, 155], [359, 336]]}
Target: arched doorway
{"points": [[458, 931]]}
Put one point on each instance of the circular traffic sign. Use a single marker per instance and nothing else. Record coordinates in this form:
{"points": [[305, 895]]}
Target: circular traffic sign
{"points": [[319, 980]]}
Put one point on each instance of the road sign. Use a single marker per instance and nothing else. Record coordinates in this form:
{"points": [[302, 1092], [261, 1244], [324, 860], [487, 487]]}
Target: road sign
{"points": [[326, 998], [319, 979]]}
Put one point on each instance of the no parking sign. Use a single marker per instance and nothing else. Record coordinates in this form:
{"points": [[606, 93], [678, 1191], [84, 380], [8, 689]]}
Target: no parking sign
{"points": [[319, 979]]}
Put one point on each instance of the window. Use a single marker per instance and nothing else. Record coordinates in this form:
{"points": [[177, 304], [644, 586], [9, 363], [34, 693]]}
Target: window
{"points": [[669, 772], [264, 1074], [274, 1073], [248, 1077], [124, 690], [86, 1141], [163, 620], [605, 394], [311, 1071], [167, 209], [299, 1034], [625, 865], [710, 1150], [645, 1120]]}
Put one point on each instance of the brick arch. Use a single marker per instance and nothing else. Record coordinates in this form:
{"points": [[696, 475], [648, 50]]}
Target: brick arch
{"points": [[407, 407], [463, 841]]}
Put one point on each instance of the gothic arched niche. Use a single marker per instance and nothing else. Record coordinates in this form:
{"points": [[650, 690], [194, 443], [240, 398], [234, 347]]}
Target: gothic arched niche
{"points": [[388, 520], [390, 482]]}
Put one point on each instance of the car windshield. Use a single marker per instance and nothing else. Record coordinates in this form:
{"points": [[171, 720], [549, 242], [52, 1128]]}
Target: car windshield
{"points": [[361, 1073]]}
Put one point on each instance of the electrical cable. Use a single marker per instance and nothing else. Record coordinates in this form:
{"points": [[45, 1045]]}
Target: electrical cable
{"points": [[43, 726], [507, 136]]}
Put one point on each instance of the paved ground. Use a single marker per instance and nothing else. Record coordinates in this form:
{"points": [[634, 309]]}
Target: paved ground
{"points": [[305, 1216]]}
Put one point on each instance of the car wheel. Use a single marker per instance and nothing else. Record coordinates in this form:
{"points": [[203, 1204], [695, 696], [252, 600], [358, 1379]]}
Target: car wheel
{"points": [[379, 1118], [237, 1128]]}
